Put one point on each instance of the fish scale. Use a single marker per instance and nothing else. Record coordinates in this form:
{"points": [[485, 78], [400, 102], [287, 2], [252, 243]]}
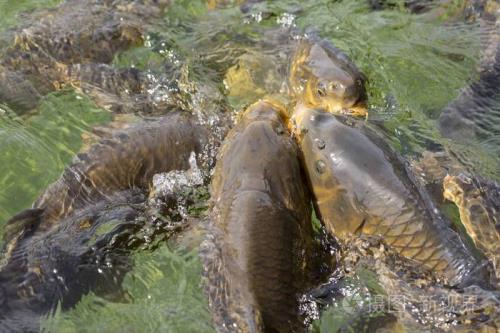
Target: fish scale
{"points": [[260, 229], [379, 197]]}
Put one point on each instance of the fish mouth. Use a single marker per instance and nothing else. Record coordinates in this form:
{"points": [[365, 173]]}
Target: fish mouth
{"points": [[354, 101], [359, 110]]}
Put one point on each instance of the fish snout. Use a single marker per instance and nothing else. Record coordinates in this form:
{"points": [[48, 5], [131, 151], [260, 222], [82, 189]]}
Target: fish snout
{"points": [[351, 94], [354, 99]]}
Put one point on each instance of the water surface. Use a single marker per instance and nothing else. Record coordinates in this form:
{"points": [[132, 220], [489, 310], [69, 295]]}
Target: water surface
{"points": [[416, 64]]}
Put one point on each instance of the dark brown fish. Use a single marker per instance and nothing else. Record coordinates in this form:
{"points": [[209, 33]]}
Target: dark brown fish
{"points": [[79, 32], [474, 113], [255, 253], [50, 41], [54, 251], [117, 90], [363, 188], [48, 269], [127, 160]]}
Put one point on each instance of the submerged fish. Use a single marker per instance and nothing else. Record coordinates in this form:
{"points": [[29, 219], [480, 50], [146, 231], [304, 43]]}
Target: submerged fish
{"points": [[61, 46], [255, 253], [362, 188], [57, 250], [57, 267], [478, 203], [474, 113], [128, 160]]}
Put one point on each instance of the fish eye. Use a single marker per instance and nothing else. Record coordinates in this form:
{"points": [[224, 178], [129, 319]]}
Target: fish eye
{"points": [[321, 89]]}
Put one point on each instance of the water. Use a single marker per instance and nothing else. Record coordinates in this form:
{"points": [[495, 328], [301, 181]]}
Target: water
{"points": [[164, 296], [416, 64], [35, 149]]}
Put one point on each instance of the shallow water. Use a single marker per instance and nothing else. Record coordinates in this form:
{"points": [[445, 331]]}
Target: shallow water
{"points": [[416, 64]]}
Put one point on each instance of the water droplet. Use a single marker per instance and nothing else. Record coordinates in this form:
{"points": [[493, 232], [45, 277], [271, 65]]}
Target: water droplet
{"points": [[320, 143], [286, 20], [320, 166]]}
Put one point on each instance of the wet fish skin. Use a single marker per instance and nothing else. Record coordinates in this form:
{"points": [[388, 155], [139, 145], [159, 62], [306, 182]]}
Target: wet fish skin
{"points": [[51, 249], [321, 75], [46, 269], [359, 188], [49, 41], [260, 233], [478, 201], [127, 160]]}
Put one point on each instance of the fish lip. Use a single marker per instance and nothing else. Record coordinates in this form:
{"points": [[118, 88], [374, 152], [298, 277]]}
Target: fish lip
{"points": [[357, 110]]}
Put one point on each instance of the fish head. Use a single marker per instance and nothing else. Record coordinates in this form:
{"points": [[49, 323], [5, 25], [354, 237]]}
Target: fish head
{"points": [[321, 76]]}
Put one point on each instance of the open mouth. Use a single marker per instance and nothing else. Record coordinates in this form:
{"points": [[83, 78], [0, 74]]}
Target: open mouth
{"points": [[357, 107], [357, 110]]}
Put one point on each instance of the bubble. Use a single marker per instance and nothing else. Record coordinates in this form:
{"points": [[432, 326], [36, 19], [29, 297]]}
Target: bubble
{"points": [[286, 20], [173, 181]]}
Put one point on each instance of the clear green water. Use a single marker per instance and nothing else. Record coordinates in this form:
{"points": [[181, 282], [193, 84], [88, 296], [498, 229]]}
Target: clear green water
{"points": [[11, 11], [415, 65], [165, 294], [36, 149]]}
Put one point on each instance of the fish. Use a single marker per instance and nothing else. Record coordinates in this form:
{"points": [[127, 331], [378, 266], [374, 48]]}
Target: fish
{"points": [[362, 187], [260, 232], [129, 159]]}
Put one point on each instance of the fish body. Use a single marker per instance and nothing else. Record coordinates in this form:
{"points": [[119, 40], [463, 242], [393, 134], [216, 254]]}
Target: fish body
{"points": [[83, 252], [255, 252], [56, 251], [361, 187], [478, 203], [129, 159]]}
